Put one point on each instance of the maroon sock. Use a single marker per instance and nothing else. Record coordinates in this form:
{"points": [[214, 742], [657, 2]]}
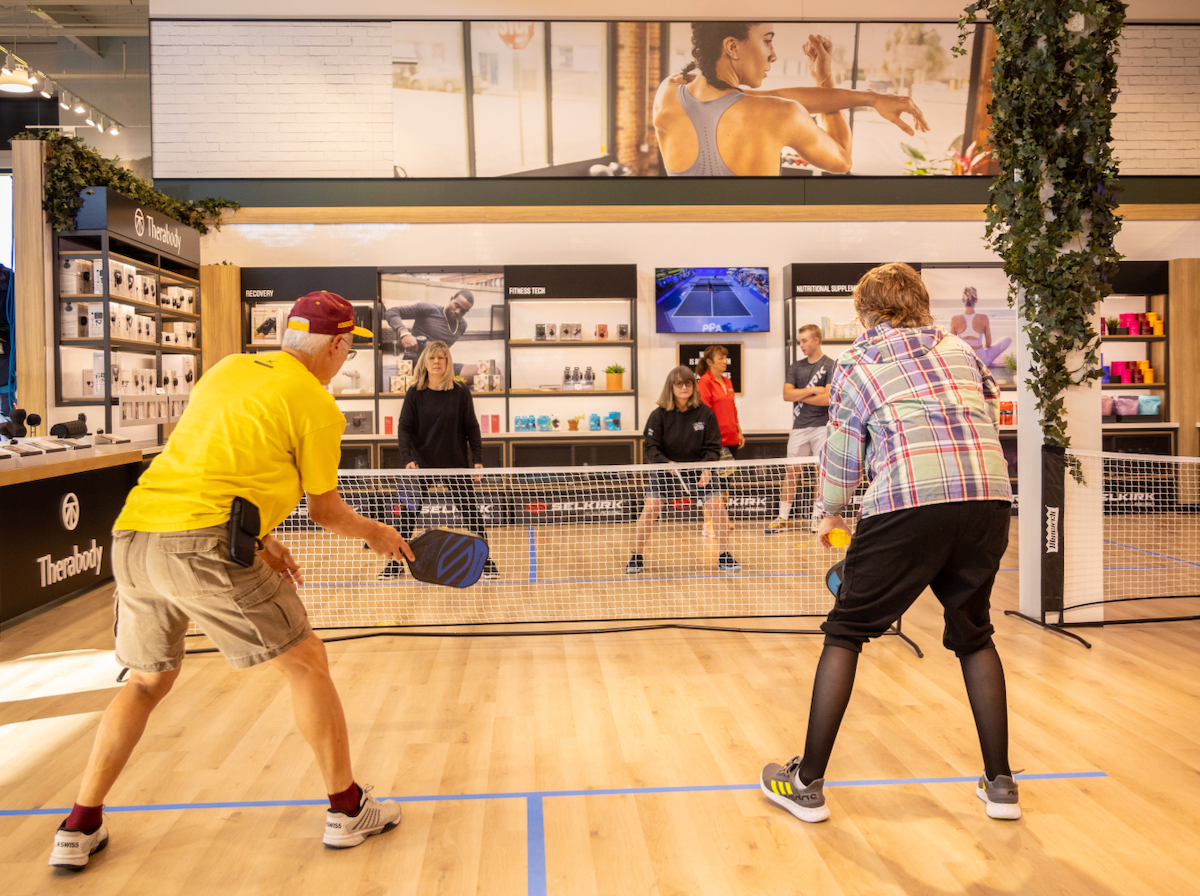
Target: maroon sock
{"points": [[84, 818], [347, 801]]}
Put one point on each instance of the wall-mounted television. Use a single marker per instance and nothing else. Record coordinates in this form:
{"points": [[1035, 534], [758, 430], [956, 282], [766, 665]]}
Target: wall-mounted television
{"points": [[712, 300]]}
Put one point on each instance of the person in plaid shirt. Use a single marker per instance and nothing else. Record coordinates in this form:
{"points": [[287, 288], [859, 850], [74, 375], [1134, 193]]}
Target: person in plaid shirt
{"points": [[914, 412]]}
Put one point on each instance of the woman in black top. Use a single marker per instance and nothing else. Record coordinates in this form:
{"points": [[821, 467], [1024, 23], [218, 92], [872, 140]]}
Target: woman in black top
{"points": [[438, 430], [682, 429]]}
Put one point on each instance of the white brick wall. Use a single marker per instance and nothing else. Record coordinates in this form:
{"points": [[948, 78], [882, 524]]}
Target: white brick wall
{"points": [[272, 99], [1157, 124]]}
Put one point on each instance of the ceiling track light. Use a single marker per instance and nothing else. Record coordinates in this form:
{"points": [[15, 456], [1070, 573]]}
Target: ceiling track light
{"points": [[17, 76]]}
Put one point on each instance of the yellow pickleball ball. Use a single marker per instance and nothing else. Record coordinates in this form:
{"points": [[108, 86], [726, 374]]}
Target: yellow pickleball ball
{"points": [[839, 538]]}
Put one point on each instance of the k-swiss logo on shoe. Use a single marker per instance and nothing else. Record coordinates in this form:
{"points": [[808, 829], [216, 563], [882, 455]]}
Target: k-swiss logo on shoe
{"points": [[335, 824]]}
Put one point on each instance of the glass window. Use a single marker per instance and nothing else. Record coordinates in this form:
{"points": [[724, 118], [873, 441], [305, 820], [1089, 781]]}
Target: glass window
{"points": [[579, 90], [510, 112], [428, 86]]}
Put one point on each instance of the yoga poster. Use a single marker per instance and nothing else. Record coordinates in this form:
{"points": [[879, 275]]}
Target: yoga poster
{"points": [[973, 303]]}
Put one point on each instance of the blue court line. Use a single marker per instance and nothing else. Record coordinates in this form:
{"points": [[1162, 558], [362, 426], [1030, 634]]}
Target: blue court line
{"points": [[532, 556], [535, 819], [543, 794], [535, 847], [1151, 553]]}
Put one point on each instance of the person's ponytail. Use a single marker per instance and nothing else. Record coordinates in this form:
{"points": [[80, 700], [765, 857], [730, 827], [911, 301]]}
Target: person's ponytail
{"points": [[708, 40]]}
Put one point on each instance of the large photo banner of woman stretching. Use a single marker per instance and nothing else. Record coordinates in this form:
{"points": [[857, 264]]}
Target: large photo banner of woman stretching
{"points": [[689, 99]]}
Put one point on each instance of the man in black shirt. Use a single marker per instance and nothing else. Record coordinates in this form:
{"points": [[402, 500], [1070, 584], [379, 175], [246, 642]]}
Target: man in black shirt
{"points": [[430, 322], [807, 387]]}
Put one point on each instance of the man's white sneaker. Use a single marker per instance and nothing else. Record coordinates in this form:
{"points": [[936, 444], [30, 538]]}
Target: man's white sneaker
{"points": [[72, 849], [343, 831]]}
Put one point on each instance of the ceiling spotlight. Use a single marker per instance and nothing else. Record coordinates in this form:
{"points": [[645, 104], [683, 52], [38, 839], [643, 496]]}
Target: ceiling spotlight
{"points": [[79, 107], [114, 129], [47, 87], [64, 99], [15, 80], [8, 65], [100, 123], [90, 113], [30, 76]]}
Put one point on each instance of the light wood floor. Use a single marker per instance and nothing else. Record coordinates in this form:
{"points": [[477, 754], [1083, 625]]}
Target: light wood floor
{"points": [[445, 717]]}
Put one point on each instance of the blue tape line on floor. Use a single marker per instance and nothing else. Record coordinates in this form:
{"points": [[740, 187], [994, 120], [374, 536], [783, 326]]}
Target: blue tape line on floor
{"points": [[548, 794]]}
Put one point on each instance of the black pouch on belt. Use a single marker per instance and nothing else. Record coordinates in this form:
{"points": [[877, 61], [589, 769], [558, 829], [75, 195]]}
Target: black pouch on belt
{"points": [[243, 532]]}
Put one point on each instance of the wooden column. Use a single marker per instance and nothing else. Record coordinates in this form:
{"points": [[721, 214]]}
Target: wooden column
{"points": [[220, 312], [1183, 341], [32, 286]]}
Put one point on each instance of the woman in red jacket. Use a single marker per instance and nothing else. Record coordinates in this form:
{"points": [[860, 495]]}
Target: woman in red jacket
{"points": [[716, 391]]}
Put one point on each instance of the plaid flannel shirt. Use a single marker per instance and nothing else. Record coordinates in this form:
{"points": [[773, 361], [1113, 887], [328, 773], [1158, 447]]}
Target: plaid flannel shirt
{"points": [[915, 411]]}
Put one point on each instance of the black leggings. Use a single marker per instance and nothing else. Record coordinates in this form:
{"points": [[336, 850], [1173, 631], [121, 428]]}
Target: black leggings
{"points": [[459, 489]]}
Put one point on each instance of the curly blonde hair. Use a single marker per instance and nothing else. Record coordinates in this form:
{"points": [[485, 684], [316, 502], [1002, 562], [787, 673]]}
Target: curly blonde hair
{"points": [[892, 293]]}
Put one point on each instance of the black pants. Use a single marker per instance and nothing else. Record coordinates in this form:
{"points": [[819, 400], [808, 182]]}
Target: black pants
{"points": [[954, 549], [459, 489]]}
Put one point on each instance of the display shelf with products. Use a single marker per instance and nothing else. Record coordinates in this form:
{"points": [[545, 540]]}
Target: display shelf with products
{"points": [[1135, 352], [128, 304], [567, 326]]}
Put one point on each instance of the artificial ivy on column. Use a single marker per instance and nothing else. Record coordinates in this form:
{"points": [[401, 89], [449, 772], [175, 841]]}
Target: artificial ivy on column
{"points": [[1052, 215]]}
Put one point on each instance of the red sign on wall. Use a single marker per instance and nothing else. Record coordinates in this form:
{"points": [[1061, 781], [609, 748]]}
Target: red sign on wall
{"points": [[516, 34]]}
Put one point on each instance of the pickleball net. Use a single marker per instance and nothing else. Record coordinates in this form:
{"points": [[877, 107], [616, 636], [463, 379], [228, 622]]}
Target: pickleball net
{"points": [[1131, 538], [561, 539]]}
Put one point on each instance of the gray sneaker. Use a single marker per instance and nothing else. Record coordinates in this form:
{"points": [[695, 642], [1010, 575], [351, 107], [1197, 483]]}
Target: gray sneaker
{"points": [[1000, 796], [781, 784]]}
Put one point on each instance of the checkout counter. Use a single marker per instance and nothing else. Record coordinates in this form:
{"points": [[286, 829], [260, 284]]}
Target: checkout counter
{"points": [[56, 517]]}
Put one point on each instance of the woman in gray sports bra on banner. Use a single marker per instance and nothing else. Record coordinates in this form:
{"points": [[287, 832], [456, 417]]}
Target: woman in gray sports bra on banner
{"points": [[707, 126]]}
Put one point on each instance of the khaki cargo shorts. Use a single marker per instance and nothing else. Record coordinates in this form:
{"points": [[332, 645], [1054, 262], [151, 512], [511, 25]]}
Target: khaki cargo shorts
{"points": [[164, 579]]}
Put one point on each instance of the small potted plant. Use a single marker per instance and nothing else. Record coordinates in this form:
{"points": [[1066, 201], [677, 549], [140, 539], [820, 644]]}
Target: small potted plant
{"points": [[573, 422], [614, 377], [1115, 328]]}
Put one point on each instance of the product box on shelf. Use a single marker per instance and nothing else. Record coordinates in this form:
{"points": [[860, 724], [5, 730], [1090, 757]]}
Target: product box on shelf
{"points": [[400, 384], [571, 332], [496, 382], [95, 318], [404, 367], [99, 373], [359, 422], [69, 316], [75, 277], [88, 380], [188, 372], [601, 331], [149, 289]]}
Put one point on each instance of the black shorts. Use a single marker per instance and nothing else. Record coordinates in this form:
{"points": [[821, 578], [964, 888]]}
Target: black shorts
{"points": [[954, 549]]}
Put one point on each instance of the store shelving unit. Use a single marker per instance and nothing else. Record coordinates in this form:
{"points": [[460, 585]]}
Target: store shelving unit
{"points": [[108, 233], [587, 295]]}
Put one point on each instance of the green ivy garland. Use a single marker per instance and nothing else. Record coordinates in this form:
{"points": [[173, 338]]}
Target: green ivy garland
{"points": [[1052, 214], [72, 166]]}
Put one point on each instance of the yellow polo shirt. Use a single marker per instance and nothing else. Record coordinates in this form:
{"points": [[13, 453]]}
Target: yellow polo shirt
{"points": [[257, 426]]}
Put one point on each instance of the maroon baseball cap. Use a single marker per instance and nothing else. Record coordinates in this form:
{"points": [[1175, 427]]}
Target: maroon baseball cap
{"points": [[326, 313]]}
